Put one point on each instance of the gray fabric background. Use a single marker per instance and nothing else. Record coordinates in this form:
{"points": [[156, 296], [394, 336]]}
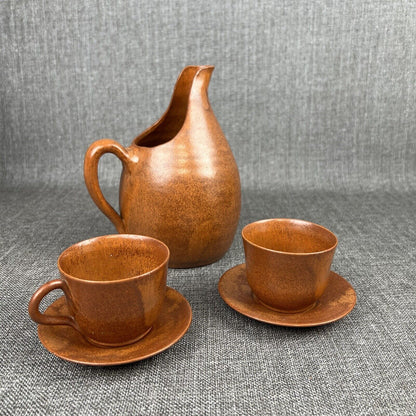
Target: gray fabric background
{"points": [[318, 102]]}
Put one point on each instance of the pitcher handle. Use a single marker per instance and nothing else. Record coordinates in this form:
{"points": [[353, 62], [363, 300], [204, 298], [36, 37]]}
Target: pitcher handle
{"points": [[92, 157], [45, 319]]}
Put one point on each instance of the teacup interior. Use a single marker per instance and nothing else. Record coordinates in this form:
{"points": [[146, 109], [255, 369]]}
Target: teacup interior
{"points": [[113, 258], [290, 236]]}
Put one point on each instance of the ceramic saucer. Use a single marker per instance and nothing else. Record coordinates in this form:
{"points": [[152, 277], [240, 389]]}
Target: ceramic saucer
{"points": [[337, 301], [66, 343]]}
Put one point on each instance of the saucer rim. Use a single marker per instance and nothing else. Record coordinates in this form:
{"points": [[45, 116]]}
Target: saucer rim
{"points": [[114, 362], [277, 314]]}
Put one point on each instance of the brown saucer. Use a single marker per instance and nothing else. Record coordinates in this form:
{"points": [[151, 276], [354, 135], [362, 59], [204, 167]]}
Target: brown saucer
{"points": [[68, 344], [337, 301]]}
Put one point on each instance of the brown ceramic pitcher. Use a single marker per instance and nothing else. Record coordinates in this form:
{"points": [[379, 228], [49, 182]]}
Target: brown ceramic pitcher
{"points": [[180, 183]]}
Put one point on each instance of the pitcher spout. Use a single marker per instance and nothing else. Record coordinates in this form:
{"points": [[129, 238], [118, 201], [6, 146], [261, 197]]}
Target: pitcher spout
{"points": [[193, 77], [199, 89], [191, 86]]}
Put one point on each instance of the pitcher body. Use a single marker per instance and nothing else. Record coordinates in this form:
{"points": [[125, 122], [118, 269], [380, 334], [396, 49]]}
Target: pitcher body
{"points": [[180, 183]]}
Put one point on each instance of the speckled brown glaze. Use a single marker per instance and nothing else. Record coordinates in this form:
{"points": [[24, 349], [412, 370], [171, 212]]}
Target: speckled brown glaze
{"points": [[180, 183], [288, 262], [337, 301], [114, 286], [68, 344]]}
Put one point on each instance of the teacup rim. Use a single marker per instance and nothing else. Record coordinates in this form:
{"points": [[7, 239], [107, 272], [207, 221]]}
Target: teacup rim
{"points": [[289, 252], [115, 236]]}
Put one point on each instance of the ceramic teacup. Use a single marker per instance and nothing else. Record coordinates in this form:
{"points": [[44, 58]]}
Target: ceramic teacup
{"points": [[114, 286], [288, 262]]}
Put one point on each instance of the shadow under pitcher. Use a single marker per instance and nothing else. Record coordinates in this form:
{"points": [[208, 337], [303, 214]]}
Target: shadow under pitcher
{"points": [[180, 182]]}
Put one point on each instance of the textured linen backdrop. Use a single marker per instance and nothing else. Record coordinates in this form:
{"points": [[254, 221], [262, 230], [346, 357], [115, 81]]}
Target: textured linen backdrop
{"points": [[318, 102]]}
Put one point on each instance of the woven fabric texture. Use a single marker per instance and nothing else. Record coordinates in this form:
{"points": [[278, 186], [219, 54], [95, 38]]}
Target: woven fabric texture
{"points": [[318, 102], [226, 363]]}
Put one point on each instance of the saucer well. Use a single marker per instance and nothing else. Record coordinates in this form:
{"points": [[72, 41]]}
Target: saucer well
{"points": [[337, 301], [68, 344]]}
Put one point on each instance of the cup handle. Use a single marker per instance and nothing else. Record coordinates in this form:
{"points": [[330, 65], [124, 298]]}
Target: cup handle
{"points": [[42, 318], [92, 157]]}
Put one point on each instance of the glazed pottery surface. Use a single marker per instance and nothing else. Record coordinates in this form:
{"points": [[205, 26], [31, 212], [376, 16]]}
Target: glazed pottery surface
{"points": [[288, 262], [114, 286], [68, 344], [337, 301], [180, 183]]}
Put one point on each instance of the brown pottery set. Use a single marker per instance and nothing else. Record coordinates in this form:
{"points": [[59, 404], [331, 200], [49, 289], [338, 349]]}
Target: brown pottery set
{"points": [[179, 203]]}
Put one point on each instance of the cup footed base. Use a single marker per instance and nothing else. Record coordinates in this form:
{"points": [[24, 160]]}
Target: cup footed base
{"points": [[122, 344], [285, 310]]}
